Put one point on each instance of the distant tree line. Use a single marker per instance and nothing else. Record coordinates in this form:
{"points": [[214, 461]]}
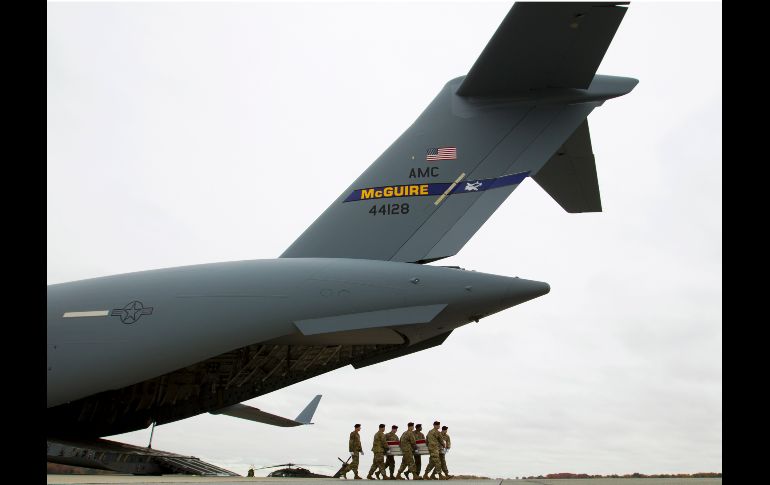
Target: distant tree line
{"points": [[629, 475]]}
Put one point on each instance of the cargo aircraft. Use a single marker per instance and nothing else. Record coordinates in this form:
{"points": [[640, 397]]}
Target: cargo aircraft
{"points": [[356, 288]]}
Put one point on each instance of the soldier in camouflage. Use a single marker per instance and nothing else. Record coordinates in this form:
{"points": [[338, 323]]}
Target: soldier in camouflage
{"points": [[447, 445], [418, 435], [379, 446], [390, 460], [354, 447], [435, 443], [408, 447]]}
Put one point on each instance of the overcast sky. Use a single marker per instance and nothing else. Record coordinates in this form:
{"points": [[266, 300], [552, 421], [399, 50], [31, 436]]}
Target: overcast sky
{"points": [[187, 133]]}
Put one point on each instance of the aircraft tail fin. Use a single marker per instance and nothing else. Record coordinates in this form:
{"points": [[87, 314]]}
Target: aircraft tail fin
{"points": [[569, 176], [520, 112]]}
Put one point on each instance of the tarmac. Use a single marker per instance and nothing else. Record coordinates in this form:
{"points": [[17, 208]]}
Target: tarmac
{"points": [[193, 480]]}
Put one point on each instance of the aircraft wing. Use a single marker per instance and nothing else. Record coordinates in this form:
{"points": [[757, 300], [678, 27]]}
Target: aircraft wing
{"points": [[244, 411], [483, 135]]}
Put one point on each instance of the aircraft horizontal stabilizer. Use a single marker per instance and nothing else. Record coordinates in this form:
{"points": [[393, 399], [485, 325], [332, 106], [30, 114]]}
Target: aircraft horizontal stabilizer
{"points": [[544, 45], [380, 318], [569, 176], [244, 411]]}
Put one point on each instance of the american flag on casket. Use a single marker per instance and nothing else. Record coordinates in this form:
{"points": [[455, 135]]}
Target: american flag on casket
{"points": [[394, 448], [422, 448]]}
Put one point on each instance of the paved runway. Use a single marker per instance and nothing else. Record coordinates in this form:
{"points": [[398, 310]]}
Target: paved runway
{"points": [[184, 479]]}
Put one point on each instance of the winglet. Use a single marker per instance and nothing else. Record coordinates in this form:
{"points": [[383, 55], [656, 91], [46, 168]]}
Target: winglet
{"points": [[307, 414]]}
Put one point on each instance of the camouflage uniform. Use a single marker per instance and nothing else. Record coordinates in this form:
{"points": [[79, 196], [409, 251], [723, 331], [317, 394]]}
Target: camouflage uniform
{"points": [[435, 443], [442, 456], [418, 435], [390, 460], [378, 448], [407, 448], [354, 447]]}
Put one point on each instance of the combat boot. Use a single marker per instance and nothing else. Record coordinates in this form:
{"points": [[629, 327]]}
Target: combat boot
{"points": [[369, 477], [398, 476], [426, 477], [357, 477]]}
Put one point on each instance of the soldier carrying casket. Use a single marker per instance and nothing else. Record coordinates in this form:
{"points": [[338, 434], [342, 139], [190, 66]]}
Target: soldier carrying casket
{"points": [[408, 445]]}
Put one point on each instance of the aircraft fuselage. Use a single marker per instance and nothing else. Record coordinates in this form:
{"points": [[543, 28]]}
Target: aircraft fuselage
{"points": [[130, 349]]}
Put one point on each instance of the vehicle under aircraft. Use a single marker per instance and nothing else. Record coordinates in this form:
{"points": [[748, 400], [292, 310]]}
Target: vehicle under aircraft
{"points": [[356, 288]]}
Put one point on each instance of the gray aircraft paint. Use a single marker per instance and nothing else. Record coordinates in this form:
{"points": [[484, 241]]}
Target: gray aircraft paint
{"points": [[494, 137], [202, 311], [244, 411], [128, 350]]}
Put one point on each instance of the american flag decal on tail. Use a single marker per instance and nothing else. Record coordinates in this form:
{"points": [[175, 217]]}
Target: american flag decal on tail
{"points": [[441, 153]]}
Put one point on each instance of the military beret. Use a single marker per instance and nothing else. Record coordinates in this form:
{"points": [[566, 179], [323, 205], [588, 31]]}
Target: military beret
{"points": [[410, 424], [382, 426], [394, 427], [357, 426], [436, 422], [418, 426], [444, 427]]}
